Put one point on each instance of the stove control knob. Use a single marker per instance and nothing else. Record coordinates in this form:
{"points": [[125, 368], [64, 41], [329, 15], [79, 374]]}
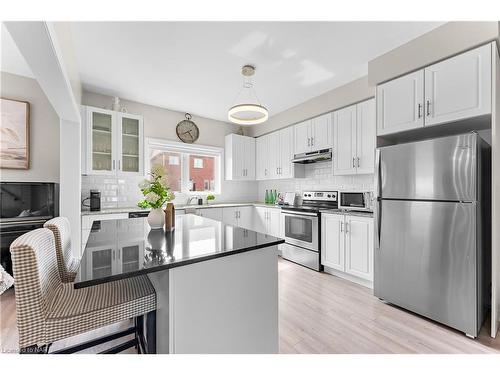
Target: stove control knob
{"points": [[329, 196]]}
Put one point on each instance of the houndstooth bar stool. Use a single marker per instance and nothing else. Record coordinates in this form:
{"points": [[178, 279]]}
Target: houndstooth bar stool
{"points": [[49, 310], [67, 264]]}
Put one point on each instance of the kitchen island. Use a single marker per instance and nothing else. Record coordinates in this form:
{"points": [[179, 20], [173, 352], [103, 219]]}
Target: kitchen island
{"points": [[216, 284]]}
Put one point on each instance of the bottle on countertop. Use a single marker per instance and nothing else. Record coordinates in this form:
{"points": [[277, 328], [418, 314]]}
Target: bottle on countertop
{"points": [[275, 197], [266, 199]]}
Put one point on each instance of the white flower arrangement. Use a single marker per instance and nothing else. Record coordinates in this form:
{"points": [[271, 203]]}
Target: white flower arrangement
{"points": [[155, 189]]}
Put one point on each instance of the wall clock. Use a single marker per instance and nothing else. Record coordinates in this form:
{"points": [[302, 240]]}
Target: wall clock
{"points": [[187, 131]]}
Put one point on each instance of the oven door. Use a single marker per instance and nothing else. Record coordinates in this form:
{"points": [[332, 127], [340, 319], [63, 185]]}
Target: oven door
{"points": [[301, 229]]}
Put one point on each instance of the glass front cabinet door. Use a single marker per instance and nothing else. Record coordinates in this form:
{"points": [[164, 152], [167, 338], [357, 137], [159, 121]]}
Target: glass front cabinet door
{"points": [[131, 150], [101, 131], [113, 142]]}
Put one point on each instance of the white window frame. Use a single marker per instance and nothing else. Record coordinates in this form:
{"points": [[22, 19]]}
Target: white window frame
{"points": [[185, 150]]}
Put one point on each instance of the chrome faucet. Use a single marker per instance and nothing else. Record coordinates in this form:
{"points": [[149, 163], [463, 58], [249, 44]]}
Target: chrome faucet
{"points": [[190, 199]]}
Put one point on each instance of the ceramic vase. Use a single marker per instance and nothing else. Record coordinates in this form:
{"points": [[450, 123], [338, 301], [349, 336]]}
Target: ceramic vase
{"points": [[156, 218]]}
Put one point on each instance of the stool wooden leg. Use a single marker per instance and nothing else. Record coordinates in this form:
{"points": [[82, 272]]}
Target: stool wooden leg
{"points": [[151, 332]]}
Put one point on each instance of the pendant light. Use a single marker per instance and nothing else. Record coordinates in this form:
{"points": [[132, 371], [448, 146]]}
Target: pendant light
{"points": [[248, 110]]}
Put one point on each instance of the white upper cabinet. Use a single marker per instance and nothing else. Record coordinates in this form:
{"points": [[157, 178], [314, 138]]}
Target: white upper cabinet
{"points": [[239, 157], [262, 168], [302, 137], [365, 137], [131, 144], [344, 150], [313, 135], [354, 138], [454, 89], [321, 134], [400, 104], [459, 87], [287, 168], [112, 142], [274, 154]]}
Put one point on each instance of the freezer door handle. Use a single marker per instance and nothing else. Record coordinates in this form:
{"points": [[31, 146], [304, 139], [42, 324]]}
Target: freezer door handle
{"points": [[378, 203]]}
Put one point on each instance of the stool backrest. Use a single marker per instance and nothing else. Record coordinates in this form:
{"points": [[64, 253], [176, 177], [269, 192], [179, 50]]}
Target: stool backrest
{"points": [[36, 278], [61, 229]]}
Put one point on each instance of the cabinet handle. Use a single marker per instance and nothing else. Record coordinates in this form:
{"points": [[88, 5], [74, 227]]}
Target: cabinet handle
{"points": [[358, 161], [312, 141], [346, 228], [113, 252], [354, 162], [113, 165], [419, 110], [341, 226], [308, 142], [265, 172], [119, 165], [428, 103]]}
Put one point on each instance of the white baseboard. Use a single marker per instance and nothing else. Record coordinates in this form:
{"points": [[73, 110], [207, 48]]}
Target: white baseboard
{"points": [[343, 275]]}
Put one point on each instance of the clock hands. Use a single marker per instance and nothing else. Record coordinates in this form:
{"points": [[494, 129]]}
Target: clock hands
{"points": [[190, 134]]}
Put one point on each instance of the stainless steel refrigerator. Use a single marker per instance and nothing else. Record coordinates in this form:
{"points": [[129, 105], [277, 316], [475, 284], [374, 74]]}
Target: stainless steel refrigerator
{"points": [[432, 240]]}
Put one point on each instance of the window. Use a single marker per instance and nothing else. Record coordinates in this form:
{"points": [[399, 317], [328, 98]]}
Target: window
{"points": [[172, 164], [197, 162], [190, 168]]}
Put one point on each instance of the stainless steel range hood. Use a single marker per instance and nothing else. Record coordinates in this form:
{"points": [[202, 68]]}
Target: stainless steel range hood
{"points": [[313, 157]]}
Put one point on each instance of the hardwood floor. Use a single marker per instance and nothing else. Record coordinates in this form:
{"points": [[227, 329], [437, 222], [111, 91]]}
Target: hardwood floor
{"points": [[319, 313]]}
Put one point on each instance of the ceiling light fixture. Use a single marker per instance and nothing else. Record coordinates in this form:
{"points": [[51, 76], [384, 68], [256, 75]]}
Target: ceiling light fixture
{"points": [[248, 110]]}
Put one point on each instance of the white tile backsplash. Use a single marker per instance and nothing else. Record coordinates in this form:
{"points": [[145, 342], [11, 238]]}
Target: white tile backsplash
{"points": [[124, 191], [115, 191], [318, 176]]}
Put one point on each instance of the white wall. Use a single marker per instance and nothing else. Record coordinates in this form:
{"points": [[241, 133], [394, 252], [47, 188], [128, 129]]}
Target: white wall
{"points": [[343, 96], [438, 44], [65, 45], [161, 123], [44, 130]]}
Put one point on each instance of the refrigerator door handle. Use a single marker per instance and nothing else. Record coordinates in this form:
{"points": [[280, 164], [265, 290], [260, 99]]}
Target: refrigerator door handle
{"points": [[377, 201]]}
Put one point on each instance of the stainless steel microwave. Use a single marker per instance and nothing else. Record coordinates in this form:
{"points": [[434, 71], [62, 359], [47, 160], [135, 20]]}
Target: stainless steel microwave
{"points": [[355, 200]]}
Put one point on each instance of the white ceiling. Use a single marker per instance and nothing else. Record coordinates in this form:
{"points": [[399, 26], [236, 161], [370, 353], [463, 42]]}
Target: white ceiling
{"points": [[11, 60], [195, 66]]}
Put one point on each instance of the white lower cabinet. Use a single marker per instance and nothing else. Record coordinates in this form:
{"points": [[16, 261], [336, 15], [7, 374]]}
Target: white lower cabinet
{"points": [[347, 245], [241, 216], [211, 213], [267, 220], [332, 252]]}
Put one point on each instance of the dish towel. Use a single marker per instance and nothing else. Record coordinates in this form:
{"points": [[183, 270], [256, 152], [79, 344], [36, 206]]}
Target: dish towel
{"points": [[6, 281]]}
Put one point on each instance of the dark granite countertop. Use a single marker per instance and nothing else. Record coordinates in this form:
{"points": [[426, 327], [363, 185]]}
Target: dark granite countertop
{"points": [[123, 248]]}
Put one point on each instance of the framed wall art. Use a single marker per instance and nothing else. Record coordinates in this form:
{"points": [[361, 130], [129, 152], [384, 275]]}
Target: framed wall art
{"points": [[14, 134]]}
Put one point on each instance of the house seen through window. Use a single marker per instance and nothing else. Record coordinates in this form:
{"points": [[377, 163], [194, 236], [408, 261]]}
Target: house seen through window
{"points": [[190, 168]]}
